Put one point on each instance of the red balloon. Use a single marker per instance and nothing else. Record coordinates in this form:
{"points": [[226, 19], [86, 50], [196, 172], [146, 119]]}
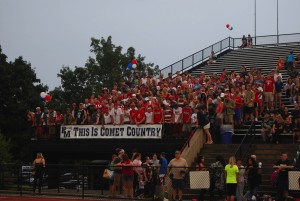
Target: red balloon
{"points": [[48, 98], [133, 61], [227, 26]]}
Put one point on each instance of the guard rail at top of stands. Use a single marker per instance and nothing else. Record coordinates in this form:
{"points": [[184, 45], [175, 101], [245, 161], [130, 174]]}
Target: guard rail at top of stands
{"points": [[226, 44]]}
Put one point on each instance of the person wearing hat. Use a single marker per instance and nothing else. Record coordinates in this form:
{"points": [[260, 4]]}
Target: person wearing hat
{"points": [[203, 122], [177, 169]]}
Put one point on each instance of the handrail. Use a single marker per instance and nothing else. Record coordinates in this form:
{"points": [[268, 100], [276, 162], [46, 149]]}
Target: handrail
{"points": [[198, 57], [221, 46], [250, 132]]}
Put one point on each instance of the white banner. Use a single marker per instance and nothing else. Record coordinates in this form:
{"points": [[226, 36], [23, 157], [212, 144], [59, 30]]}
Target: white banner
{"points": [[111, 132]]}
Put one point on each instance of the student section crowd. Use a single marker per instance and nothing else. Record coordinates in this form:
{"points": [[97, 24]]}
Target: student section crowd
{"points": [[231, 98]]}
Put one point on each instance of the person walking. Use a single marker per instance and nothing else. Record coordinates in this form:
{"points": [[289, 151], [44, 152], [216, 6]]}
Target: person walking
{"points": [[39, 165], [253, 178], [232, 178]]}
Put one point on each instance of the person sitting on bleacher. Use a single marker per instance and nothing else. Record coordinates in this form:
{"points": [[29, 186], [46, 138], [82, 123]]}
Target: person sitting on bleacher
{"points": [[244, 42], [266, 127], [212, 58]]}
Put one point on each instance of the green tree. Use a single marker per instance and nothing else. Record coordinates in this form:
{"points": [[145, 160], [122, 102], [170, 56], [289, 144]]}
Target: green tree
{"points": [[19, 91], [107, 66], [5, 147]]}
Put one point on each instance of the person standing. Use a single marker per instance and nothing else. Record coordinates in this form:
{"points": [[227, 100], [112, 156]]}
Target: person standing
{"points": [[138, 170], [127, 176], [290, 61], [283, 165], [232, 178], [39, 165], [269, 90], [203, 122], [177, 170], [253, 178], [241, 183], [201, 167], [229, 106], [217, 177], [111, 180], [117, 171]]}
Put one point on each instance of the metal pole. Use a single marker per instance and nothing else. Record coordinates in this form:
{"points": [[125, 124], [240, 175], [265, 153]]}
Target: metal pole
{"points": [[277, 25], [255, 22]]}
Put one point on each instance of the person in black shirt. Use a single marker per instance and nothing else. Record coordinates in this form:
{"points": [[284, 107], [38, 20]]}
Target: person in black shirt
{"points": [[203, 122], [283, 165]]}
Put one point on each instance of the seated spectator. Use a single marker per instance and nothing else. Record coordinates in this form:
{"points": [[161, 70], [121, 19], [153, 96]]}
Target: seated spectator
{"points": [[296, 130], [280, 64], [267, 125], [212, 58], [244, 41], [277, 129], [249, 41]]}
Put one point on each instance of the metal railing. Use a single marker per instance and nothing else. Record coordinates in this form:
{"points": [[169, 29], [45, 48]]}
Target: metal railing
{"points": [[244, 149], [226, 44]]}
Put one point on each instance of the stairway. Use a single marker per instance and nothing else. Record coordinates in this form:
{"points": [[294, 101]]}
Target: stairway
{"points": [[268, 154]]}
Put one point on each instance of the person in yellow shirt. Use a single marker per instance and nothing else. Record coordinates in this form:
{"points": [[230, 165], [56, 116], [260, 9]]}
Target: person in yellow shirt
{"points": [[232, 178]]}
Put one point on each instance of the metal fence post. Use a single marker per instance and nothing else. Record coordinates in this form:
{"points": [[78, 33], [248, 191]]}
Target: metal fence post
{"points": [[20, 180], [221, 47], [193, 60], [82, 182]]}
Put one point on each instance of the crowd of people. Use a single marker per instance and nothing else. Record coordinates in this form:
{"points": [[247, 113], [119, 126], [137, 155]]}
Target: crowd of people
{"points": [[228, 181], [230, 98], [137, 177]]}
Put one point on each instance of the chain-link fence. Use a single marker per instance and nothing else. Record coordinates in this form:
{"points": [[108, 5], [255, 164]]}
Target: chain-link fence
{"points": [[90, 181]]}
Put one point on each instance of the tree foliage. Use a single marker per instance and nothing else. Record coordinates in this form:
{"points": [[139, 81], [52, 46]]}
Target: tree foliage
{"points": [[107, 66], [19, 91], [5, 147]]}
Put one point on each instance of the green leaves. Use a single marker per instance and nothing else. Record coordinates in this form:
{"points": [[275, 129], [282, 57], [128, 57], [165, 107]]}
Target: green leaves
{"points": [[107, 66], [5, 147]]}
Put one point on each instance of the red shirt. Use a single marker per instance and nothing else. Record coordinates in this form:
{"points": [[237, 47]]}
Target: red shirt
{"points": [[269, 84], [132, 115], [157, 115], [127, 170], [186, 114], [59, 119], [139, 115], [238, 100]]}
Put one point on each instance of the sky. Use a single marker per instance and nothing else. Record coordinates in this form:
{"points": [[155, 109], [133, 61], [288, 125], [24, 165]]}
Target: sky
{"points": [[51, 34]]}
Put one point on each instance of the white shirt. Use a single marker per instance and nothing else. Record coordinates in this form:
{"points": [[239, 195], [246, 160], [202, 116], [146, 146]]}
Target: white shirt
{"points": [[148, 117], [126, 115], [177, 113], [107, 118], [116, 114]]}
